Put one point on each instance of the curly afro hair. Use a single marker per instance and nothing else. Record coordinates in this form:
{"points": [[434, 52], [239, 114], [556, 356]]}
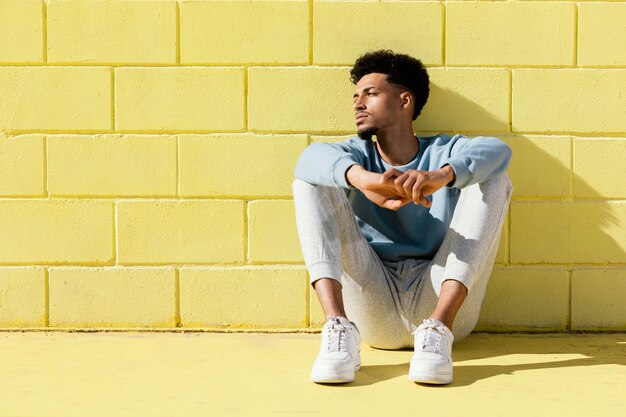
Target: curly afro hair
{"points": [[401, 69]]}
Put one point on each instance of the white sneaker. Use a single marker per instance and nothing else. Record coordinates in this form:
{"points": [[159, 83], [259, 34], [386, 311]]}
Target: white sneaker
{"points": [[340, 353], [432, 360]]}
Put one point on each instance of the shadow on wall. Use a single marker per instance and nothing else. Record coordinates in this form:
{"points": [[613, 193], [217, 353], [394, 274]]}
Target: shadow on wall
{"points": [[564, 234], [448, 111]]}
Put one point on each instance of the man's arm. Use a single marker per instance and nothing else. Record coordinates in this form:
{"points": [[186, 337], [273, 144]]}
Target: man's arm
{"points": [[475, 160], [468, 161], [325, 163], [341, 164], [381, 192]]}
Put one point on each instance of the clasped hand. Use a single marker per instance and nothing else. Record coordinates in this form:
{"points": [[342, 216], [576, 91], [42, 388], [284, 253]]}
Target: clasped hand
{"points": [[394, 189]]}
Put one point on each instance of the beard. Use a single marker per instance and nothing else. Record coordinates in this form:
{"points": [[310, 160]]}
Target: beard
{"points": [[367, 133]]}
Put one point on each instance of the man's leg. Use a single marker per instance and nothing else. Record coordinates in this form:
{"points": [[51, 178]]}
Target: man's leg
{"points": [[330, 297], [346, 273], [452, 296], [458, 277], [343, 267]]}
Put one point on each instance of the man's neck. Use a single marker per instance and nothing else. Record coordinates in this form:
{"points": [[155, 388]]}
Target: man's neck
{"points": [[397, 148]]}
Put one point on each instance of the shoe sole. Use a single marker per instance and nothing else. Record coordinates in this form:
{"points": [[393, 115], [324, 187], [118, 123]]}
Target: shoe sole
{"points": [[431, 379], [334, 377]]}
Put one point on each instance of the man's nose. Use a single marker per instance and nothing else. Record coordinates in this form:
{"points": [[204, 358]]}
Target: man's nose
{"points": [[359, 103]]}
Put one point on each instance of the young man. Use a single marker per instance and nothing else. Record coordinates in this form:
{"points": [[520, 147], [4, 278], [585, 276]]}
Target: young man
{"points": [[389, 239]]}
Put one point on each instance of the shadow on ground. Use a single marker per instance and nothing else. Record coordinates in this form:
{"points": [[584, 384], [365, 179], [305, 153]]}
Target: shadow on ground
{"points": [[478, 358]]}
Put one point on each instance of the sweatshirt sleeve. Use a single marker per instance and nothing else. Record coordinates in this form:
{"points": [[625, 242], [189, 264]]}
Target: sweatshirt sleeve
{"points": [[326, 163], [475, 160]]}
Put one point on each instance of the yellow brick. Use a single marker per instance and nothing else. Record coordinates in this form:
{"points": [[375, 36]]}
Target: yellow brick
{"points": [[569, 100], [601, 34], [21, 159], [22, 297], [188, 99], [600, 168], [243, 297], [111, 31], [499, 33], [164, 232], [238, 165], [525, 299], [57, 231], [598, 299], [272, 232], [244, 32], [466, 100], [540, 166], [300, 99], [55, 98], [112, 165], [568, 232], [112, 297], [21, 31], [414, 28]]}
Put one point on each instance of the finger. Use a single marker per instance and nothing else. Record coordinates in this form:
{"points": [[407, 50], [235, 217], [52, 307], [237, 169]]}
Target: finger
{"points": [[390, 174], [399, 184], [395, 204], [392, 204], [416, 192], [408, 186], [425, 202]]}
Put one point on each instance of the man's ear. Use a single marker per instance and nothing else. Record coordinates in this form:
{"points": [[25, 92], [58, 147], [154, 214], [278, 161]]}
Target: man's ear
{"points": [[407, 99]]}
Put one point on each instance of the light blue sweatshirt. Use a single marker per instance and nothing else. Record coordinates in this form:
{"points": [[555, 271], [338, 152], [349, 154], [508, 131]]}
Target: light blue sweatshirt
{"points": [[413, 230]]}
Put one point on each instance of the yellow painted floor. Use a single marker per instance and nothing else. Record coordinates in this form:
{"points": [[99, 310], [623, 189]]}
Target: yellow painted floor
{"points": [[245, 374]]}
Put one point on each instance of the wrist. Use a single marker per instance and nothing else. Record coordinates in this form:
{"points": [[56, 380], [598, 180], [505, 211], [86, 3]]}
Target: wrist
{"points": [[449, 174], [353, 174]]}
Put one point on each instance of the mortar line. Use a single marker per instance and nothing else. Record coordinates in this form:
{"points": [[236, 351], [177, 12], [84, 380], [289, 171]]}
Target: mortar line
{"points": [[310, 32], [177, 318], [178, 32], [246, 233], [44, 16], [46, 284], [571, 168], [245, 98], [45, 166], [443, 34], [297, 64], [507, 243], [569, 301], [116, 256], [178, 166], [307, 302], [325, 133], [510, 123], [113, 121], [576, 35]]}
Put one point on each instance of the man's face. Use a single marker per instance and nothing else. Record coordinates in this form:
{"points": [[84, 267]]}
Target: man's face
{"points": [[377, 104]]}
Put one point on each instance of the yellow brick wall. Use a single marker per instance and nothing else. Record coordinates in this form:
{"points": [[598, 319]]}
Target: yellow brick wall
{"points": [[147, 151]]}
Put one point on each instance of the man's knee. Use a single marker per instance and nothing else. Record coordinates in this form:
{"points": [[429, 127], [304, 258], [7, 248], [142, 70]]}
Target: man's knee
{"points": [[298, 184], [500, 185]]}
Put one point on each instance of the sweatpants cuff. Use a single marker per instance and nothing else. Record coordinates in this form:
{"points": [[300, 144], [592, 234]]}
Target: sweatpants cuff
{"points": [[325, 269], [461, 273]]}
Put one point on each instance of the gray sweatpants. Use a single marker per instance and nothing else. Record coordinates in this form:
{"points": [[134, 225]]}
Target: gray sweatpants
{"points": [[388, 300]]}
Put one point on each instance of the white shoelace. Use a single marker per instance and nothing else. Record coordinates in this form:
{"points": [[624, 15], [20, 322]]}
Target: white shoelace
{"points": [[433, 337], [337, 336]]}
